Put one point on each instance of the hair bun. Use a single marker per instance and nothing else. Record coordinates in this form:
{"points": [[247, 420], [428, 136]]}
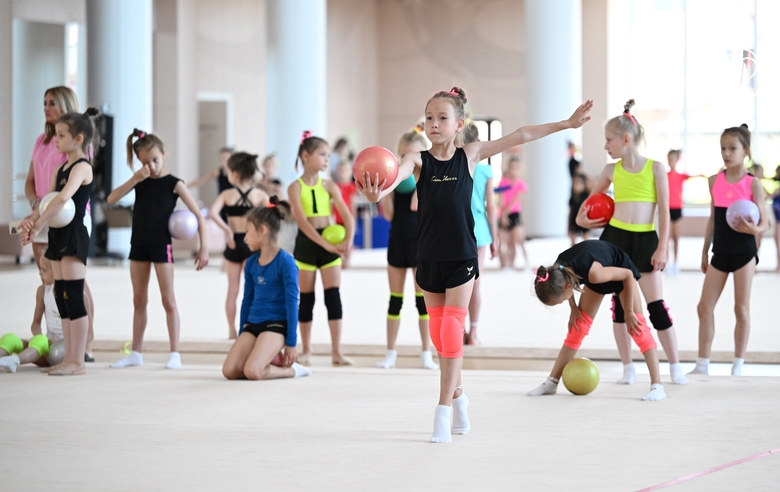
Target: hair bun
{"points": [[744, 127], [460, 92], [629, 104], [274, 200], [91, 111]]}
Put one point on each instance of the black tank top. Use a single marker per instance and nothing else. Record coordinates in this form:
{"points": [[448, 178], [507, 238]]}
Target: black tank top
{"points": [[581, 256], [81, 197], [155, 200], [222, 182], [241, 207], [445, 229], [404, 224]]}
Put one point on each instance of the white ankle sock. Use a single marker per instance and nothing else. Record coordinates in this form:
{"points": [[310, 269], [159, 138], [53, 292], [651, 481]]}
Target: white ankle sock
{"points": [[548, 387], [442, 422], [657, 393], [174, 361], [629, 374], [736, 368], [10, 362], [134, 359], [675, 371], [427, 360], [389, 360], [460, 415], [300, 371], [702, 366]]}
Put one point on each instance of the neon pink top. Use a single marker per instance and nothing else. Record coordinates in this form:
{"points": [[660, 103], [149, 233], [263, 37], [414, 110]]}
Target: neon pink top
{"points": [[725, 193], [676, 181], [46, 160], [514, 187]]}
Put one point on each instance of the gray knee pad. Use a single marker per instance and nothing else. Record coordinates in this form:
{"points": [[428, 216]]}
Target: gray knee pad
{"points": [[74, 298], [618, 316], [333, 303], [59, 298], [421, 309], [394, 308], [306, 307], [659, 315]]}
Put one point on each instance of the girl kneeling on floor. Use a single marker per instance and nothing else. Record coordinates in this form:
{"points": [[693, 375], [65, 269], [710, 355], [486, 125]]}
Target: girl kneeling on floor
{"points": [[603, 269], [269, 311]]}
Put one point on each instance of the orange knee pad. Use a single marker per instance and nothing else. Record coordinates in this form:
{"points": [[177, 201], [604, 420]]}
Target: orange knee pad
{"points": [[575, 337], [447, 328], [644, 340]]}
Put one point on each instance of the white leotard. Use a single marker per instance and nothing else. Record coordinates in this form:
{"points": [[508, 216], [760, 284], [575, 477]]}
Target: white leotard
{"points": [[52, 314]]}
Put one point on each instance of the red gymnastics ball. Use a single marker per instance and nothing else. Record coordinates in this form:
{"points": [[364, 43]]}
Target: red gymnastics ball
{"points": [[376, 160], [601, 207]]}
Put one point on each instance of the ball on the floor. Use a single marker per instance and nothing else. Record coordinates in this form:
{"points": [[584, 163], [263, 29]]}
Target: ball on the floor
{"points": [[376, 160], [183, 224], [601, 207], [277, 360], [334, 233], [581, 376], [56, 352], [406, 186], [64, 216], [744, 209]]}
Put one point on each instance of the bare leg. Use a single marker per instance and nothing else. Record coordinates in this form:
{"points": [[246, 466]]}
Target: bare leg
{"points": [[743, 282], [504, 248], [306, 279], [675, 233], [140, 272], [714, 281], [164, 273], [56, 269], [518, 234], [396, 277], [233, 270], [71, 268], [777, 245], [425, 334], [475, 304], [258, 364], [89, 304], [233, 367], [651, 285]]}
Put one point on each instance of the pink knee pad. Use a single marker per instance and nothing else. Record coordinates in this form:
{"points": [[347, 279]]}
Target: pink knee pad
{"points": [[645, 340], [434, 325], [452, 329], [575, 337]]}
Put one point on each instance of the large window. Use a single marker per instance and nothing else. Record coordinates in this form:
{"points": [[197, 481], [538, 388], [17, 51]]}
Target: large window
{"points": [[696, 67]]}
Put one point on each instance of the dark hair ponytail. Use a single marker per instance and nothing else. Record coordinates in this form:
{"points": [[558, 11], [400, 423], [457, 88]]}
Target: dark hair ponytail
{"points": [[145, 141], [82, 124], [270, 216], [309, 143], [742, 133], [551, 281], [244, 163]]}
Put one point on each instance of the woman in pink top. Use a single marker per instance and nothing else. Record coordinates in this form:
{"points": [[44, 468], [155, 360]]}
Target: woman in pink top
{"points": [[511, 232], [45, 161]]}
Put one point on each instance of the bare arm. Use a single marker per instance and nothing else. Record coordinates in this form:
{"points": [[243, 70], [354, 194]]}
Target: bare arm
{"points": [[387, 207], [215, 211], [203, 252], [708, 231], [479, 151], [29, 187], [490, 212], [410, 164], [79, 175], [658, 259], [294, 191], [39, 309], [125, 188], [602, 185], [213, 174], [344, 211]]}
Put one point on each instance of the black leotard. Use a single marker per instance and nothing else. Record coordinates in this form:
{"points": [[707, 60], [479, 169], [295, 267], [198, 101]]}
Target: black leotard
{"points": [[581, 257], [155, 200]]}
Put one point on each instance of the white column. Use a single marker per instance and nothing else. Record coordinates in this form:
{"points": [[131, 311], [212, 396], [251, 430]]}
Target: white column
{"points": [[554, 87], [595, 85], [6, 109], [119, 51], [297, 59]]}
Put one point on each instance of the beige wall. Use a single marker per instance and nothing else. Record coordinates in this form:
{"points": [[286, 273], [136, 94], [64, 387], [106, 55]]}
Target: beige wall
{"points": [[433, 45]]}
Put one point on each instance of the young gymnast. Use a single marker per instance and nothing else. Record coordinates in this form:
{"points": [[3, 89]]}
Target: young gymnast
{"points": [[640, 187], [15, 352], [69, 245], [733, 250], [156, 193], [310, 198], [484, 210], [579, 193], [402, 255], [446, 247], [511, 230], [235, 203], [269, 311], [603, 269], [676, 181]]}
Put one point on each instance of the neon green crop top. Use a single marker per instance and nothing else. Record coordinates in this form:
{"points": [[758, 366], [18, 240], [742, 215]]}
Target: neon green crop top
{"points": [[315, 200], [634, 187]]}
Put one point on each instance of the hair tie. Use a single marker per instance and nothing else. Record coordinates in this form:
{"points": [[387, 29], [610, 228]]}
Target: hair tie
{"points": [[543, 279], [631, 116], [271, 205], [454, 93], [141, 135], [306, 134], [560, 267]]}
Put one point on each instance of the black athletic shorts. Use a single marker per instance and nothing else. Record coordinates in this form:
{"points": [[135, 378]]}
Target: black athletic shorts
{"points": [[155, 253], [640, 246], [241, 252], [675, 214], [256, 329], [515, 219], [402, 253], [71, 240], [731, 263], [310, 255], [438, 276]]}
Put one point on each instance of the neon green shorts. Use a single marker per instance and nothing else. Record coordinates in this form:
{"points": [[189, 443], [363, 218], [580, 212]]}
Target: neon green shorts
{"points": [[40, 343], [11, 343]]}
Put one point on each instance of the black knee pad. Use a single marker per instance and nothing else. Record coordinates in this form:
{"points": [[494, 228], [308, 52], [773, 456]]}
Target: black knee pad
{"points": [[618, 316], [333, 303], [394, 308], [421, 309], [74, 298], [659, 315], [306, 307], [59, 298]]}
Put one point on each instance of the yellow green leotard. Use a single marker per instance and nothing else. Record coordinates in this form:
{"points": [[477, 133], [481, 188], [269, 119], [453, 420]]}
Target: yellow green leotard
{"points": [[315, 201], [634, 187]]}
